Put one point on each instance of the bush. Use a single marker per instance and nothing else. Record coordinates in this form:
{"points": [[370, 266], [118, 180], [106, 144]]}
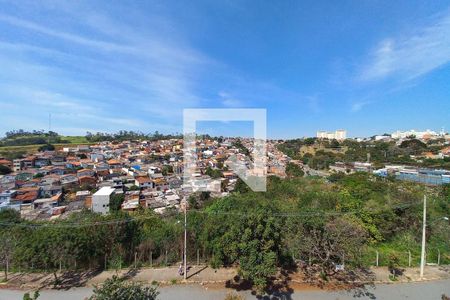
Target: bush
{"points": [[116, 288], [234, 296], [27, 296], [4, 170], [47, 147]]}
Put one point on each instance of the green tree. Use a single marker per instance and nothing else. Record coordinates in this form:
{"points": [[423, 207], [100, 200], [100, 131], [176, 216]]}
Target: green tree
{"points": [[46, 147], [213, 173], [241, 186], [115, 202], [293, 170], [167, 169], [251, 238], [4, 170]]}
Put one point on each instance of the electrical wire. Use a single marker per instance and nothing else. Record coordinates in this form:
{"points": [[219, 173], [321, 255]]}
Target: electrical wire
{"points": [[209, 213]]}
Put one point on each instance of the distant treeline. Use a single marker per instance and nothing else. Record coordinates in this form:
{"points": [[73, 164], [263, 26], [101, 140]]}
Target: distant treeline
{"points": [[125, 135], [21, 137], [36, 137]]}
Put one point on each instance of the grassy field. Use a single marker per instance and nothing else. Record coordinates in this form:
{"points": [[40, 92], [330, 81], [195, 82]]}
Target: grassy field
{"points": [[75, 139], [15, 151]]}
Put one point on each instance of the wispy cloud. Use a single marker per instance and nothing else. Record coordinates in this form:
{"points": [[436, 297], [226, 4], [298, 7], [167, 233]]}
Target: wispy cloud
{"points": [[359, 105], [108, 62], [63, 35], [229, 101], [102, 69], [412, 55]]}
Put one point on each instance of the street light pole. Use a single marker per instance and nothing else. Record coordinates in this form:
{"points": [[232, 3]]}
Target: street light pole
{"points": [[422, 256], [185, 240]]}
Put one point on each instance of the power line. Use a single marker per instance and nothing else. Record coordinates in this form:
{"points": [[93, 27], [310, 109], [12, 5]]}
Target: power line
{"points": [[209, 213]]}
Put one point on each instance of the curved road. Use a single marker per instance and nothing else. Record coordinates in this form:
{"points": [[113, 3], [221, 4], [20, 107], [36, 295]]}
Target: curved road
{"points": [[411, 291]]}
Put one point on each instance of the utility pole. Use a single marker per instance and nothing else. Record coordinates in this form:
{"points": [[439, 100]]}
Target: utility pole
{"points": [[49, 126], [424, 225], [185, 239]]}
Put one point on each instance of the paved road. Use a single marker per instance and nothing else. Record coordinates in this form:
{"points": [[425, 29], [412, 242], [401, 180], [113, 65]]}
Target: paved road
{"points": [[411, 291]]}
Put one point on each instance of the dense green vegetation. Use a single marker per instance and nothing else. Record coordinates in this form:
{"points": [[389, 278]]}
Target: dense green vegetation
{"points": [[320, 222], [46, 147], [4, 170], [238, 144], [327, 152], [291, 147], [35, 137], [18, 143], [115, 202], [293, 170], [124, 135], [214, 173]]}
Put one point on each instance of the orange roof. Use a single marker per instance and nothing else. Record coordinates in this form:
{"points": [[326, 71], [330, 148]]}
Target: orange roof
{"points": [[227, 173], [27, 196], [5, 162], [446, 150], [56, 197], [113, 162], [28, 189], [143, 179], [159, 180]]}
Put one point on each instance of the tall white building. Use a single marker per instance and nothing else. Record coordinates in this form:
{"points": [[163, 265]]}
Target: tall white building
{"points": [[100, 200], [339, 134]]}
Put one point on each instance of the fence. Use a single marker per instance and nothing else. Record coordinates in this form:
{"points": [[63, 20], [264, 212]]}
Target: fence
{"points": [[174, 257], [406, 258]]}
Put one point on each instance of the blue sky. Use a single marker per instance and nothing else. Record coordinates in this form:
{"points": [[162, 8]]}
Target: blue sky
{"points": [[366, 66]]}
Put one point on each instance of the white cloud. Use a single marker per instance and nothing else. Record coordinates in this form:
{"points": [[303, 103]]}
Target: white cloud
{"points": [[357, 106], [63, 35], [147, 71], [229, 101], [413, 55]]}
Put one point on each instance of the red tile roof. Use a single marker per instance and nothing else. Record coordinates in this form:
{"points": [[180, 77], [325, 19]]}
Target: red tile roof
{"points": [[142, 180]]}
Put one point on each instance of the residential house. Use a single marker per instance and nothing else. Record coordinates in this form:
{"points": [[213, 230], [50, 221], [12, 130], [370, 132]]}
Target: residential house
{"points": [[144, 182], [131, 201], [7, 182], [87, 181], [41, 161], [69, 180], [82, 195], [6, 196], [115, 164], [45, 203], [100, 200], [51, 190], [6, 163], [85, 173], [26, 195], [17, 165], [160, 184], [28, 162]]}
